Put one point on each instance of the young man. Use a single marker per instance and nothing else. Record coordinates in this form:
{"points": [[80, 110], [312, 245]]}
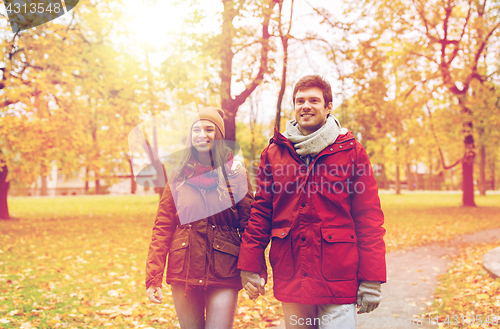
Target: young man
{"points": [[317, 201]]}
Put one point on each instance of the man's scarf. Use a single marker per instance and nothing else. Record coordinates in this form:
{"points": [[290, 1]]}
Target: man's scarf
{"points": [[312, 144]]}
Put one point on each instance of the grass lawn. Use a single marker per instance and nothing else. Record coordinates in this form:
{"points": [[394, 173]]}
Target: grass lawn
{"points": [[78, 262], [418, 219]]}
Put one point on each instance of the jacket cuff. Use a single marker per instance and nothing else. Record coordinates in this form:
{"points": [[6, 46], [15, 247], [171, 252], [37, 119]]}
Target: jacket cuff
{"points": [[155, 282]]}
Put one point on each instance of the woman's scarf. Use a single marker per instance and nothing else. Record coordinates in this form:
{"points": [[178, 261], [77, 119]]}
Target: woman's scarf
{"points": [[205, 177]]}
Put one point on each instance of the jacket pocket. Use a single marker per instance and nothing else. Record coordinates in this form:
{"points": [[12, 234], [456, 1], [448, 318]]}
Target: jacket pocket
{"points": [[226, 258], [339, 254], [280, 255], [177, 254]]}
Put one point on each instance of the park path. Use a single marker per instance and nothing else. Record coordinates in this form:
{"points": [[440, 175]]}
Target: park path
{"points": [[411, 282]]}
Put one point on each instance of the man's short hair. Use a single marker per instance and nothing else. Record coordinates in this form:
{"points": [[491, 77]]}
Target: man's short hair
{"points": [[311, 81]]}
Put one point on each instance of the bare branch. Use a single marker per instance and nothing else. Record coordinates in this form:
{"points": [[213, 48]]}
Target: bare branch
{"points": [[480, 51], [431, 125], [422, 55], [426, 23], [240, 99], [291, 16], [444, 42], [457, 46], [255, 42]]}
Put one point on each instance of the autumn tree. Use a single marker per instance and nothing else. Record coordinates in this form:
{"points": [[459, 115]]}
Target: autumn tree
{"points": [[485, 98], [232, 62], [229, 42], [451, 42], [31, 118], [251, 135], [454, 41], [68, 97], [385, 102], [111, 88]]}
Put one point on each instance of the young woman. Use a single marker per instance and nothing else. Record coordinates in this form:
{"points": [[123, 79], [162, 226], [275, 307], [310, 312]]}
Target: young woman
{"points": [[201, 216]]}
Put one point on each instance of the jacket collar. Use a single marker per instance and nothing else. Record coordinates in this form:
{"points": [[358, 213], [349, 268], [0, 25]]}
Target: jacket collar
{"points": [[279, 138]]}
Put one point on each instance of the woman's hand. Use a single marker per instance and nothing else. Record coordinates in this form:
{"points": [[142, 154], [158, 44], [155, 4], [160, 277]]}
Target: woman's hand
{"points": [[252, 291], [253, 284], [151, 294]]}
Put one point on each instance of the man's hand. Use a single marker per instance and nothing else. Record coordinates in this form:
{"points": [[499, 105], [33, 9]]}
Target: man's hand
{"points": [[369, 296], [151, 294], [253, 284]]}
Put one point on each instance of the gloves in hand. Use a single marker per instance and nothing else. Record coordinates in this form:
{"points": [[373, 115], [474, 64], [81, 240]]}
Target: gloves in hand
{"points": [[369, 296]]}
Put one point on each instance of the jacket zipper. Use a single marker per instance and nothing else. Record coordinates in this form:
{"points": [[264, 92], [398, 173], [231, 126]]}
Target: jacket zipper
{"points": [[202, 191]]}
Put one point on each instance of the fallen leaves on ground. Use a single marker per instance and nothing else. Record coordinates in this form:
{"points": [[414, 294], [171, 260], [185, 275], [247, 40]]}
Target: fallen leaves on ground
{"points": [[467, 294], [78, 262]]}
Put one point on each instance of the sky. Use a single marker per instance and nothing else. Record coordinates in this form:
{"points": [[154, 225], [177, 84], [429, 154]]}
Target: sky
{"points": [[154, 25]]}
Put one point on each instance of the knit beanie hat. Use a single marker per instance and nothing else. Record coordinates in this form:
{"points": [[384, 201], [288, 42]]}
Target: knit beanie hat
{"points": [[212, 114]]}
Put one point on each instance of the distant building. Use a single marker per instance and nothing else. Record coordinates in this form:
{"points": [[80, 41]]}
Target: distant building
{"points": [[59, 184]]}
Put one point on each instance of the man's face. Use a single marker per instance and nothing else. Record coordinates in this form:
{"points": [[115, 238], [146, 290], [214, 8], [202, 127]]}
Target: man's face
{"points": [[310, 110]]}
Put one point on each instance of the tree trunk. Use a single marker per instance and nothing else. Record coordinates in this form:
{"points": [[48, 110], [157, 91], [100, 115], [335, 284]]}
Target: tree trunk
{"points": [[4, 191], [482, 170], [398, 181], [430, 171], [252, 146], [252, 173], [230, 120], [382, 183], [97, 186], [493, 159], [133, 183], [417, 180], [468, 173], [44, 190], [86, 179], [409, 177], [284, 41], [161, 174], [253, 126], [227, 68], [469, 156], [161, 177]]}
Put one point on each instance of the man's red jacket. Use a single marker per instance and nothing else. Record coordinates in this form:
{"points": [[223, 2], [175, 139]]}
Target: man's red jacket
{"points": [[324, 221]]}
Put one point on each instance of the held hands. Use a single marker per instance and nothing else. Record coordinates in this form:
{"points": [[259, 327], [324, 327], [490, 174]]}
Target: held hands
{"points": [[151, 294], [253, 284], [369, 296]]}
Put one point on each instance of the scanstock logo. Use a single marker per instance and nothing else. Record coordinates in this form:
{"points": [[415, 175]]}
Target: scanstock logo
{"points": [[25, 14]]}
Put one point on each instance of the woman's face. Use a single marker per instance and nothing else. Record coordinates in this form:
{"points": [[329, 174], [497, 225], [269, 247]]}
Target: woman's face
{"points": [[202, 134]]}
